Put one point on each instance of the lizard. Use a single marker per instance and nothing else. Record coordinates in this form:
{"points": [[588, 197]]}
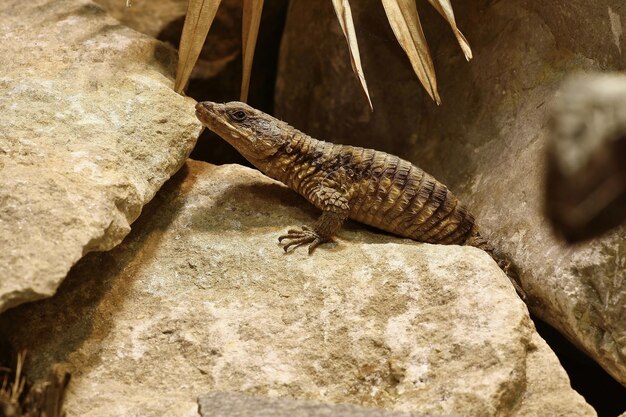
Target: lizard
{"points": [[365, 185]]}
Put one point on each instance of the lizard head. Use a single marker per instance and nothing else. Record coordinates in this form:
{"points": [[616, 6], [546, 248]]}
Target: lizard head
{"points": [[256, 135]]}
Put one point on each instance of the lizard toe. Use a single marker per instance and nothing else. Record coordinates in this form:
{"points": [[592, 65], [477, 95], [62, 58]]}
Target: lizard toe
{"points": [[315, 244], [299, 237], [295, 243]]}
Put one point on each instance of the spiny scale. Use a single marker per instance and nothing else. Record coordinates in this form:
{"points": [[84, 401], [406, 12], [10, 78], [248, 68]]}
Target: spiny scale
{"points": [[385, 191]]}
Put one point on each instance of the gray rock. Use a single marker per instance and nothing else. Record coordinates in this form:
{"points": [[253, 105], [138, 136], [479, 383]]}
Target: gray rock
{"points": [[486, 141], [586, 158], [200, 297], [90, 130], [229, 404]]}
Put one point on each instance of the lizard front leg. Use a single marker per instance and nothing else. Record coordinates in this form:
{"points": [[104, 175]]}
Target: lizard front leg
{"points": [[335, 210]]}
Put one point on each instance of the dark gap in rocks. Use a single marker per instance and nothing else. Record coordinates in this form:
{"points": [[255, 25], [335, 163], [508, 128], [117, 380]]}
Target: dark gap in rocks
{"points": [[217, 76], [600, 390], [7, 358], [8, 367], [22, 397]]}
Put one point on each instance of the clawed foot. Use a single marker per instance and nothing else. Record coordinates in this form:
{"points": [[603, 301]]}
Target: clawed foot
{"points": [[302, 237]]}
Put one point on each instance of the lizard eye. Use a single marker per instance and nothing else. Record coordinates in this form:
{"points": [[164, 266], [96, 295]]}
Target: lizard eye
{"points": [[238, 115]]}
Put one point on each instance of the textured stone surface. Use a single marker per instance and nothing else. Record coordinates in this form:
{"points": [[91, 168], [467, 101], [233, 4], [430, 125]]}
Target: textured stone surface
{"points": [[228, 404], [221, 54], [201, 297], [146, 16], [164, 20], [217, 74], [486, 141], [90, 130]]}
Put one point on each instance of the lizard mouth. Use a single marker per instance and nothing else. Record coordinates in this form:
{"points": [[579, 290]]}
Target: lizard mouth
{"points": [[211, 116], [204, 111]]}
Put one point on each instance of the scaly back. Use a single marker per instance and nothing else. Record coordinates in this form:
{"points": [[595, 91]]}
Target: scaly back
{"points": [[385, 191]]}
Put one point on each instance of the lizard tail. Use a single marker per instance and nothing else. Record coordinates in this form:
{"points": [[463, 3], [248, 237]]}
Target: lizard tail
{"points": [[504, 262]]}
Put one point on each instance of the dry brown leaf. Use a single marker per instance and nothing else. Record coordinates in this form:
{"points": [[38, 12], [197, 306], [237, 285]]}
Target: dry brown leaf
{"points": [[344, 14], [445, 9], [200, 15], [405, 22], [250, 30]]}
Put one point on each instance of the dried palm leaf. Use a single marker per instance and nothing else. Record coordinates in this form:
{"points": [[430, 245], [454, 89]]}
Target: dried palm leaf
{"points": [[18, 386], [200, 15], [445, 9], [250, 30], [11, 391], [344, 14], [405, 22]]}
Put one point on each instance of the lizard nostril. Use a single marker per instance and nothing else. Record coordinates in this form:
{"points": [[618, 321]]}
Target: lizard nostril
{"points": [[204, 105]]}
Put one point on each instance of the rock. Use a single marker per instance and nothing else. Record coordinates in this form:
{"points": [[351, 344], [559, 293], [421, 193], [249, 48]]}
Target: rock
{"points": [[164, 20], [149, 17], [545, 384], [90, 130], [486, 141], [200, 297], [586, 157], [217, 74], [228, 404]]}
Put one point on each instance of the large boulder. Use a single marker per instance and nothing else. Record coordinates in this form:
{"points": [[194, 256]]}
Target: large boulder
{"points": [[486, 141], [201, 297], [90, 130], [229, 404]]}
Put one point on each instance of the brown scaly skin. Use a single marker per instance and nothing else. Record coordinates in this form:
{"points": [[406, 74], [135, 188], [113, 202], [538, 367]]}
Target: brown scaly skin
{"points": [[368, 186]]}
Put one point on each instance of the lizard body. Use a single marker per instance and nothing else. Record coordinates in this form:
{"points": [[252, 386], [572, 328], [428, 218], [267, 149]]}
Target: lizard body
{"points": [[369, 186]]}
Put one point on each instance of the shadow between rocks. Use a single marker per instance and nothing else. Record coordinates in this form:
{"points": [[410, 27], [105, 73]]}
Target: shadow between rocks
{"points": [[51, 330]]}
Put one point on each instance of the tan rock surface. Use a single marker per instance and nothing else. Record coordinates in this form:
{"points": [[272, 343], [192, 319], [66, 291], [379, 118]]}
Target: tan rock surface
{"points": [[146, 16], [164, 20], [217, 73], [229, 404], [201, 297], [486, 141], [89, 131]]}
